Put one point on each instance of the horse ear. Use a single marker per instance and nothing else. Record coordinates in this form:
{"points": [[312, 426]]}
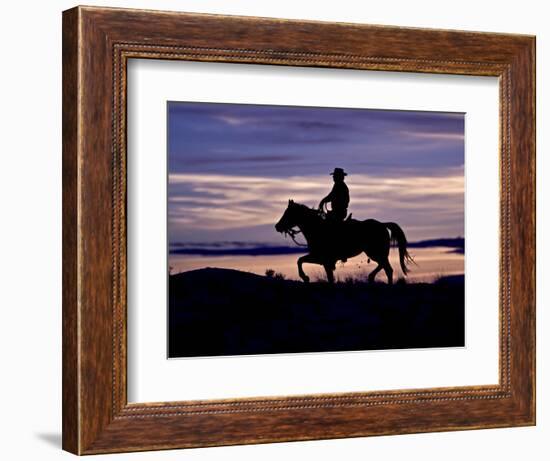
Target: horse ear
{"points": [[290, 202]]}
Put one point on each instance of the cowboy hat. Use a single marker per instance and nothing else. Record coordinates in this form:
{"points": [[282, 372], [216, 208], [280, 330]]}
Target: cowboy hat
{"points": [[339, 172]]}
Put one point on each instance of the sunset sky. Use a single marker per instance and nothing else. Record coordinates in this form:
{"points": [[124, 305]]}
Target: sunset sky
{"points": [[233, 168]]}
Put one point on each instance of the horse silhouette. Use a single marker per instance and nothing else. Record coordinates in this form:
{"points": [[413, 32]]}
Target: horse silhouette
{"points": [[329, 242]]}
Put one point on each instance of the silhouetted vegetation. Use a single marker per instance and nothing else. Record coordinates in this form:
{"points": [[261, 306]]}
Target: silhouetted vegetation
{"points": [[271, 274]]}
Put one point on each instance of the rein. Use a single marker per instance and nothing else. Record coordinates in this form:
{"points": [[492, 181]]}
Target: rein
{"points": [[293, 233]]}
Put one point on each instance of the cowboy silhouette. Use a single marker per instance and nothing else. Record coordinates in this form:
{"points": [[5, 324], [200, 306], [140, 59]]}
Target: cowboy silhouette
{"points": [[338, 197]]}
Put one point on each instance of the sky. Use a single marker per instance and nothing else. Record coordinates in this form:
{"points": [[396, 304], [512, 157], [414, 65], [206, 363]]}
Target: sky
{"points": [[233, 168]]}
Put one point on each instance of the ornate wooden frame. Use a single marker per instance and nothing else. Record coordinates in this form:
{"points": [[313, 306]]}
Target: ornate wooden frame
{"points": [[97, 43]]}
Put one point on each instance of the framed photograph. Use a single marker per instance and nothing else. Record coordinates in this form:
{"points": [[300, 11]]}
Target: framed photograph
{"points": [[281, 230]]}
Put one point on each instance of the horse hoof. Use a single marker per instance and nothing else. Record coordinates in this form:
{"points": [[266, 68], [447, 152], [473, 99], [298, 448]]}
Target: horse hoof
{"points": [[305, 279]]}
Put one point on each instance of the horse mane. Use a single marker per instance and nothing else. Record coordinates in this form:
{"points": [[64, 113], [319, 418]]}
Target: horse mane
{"points": [[301, 205], [311, 211]]}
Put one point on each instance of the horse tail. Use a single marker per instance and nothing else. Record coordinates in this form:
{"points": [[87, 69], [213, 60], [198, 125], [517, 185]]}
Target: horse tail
{"points": [[397, 236]]}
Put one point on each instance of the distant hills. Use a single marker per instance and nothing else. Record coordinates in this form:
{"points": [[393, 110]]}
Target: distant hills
{"points": [[455, 243], [264, 249]]}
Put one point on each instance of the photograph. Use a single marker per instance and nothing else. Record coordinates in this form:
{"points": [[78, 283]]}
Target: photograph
{"points": [[298, 229]]}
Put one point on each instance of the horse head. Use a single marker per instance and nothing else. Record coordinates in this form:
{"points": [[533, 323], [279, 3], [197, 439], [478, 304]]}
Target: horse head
{"points": [[291, 217]]}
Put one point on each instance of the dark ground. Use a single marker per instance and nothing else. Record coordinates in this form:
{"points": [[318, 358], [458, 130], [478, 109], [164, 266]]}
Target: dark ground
{"points": [[226, 312]]}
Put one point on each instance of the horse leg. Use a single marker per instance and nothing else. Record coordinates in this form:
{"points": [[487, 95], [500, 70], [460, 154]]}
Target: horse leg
{"points": [[374, 272], [305, 259], [389, 271], [329, 269]]}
